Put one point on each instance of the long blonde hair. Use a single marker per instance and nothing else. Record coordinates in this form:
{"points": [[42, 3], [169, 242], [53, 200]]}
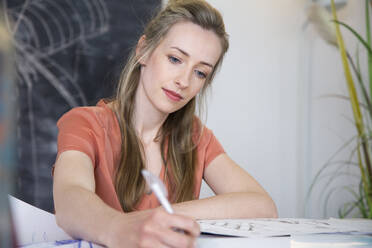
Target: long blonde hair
{"points": [[178, 148]]}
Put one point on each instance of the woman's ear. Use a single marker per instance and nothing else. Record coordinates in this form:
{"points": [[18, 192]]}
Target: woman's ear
{"points": [[139, 49]]}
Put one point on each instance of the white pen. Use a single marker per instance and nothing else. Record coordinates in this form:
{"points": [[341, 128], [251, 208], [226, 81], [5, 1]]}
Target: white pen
{"points": [[161, 192], [158, 187]]}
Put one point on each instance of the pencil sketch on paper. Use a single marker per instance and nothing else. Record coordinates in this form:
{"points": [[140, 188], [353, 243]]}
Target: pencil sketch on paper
{"points": [[282, 227], [43, 30]]}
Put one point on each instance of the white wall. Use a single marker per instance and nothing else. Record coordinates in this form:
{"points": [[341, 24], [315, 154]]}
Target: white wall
{"points": [[265, 107], [254, 100]]}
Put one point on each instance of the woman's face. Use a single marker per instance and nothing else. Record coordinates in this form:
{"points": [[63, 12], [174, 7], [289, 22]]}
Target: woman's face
{"points": [[177, 69]]}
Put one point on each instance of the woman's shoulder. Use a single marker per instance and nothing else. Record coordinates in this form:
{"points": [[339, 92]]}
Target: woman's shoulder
{"points": [[201, 133], [100, 115], [208, 146]]}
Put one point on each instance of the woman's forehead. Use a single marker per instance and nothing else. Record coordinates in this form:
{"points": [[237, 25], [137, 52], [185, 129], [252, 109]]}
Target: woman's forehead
{"points": [[200, 44]]}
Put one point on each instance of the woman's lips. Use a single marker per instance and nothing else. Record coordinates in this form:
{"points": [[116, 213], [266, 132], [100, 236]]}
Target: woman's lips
{"points": [[172, 95]]}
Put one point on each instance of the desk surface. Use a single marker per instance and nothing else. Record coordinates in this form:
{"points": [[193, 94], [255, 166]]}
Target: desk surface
{"points": [[37, 228], [209, 241], [206, 241], [299, 241]]}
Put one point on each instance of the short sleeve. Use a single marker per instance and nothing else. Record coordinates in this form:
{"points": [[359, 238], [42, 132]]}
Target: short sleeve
{"points": [[213, 148], [78, 130]]}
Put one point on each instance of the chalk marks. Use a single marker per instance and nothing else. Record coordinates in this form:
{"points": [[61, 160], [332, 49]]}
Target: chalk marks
{"points": [[45, 27], [43, 30]]}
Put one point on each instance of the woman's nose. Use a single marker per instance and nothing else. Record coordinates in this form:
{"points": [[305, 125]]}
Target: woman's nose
{"points": [[182, 81]]}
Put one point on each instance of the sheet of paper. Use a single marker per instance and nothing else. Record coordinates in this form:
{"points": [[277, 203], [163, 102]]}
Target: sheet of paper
{"points": [[37, 228], [359, 225], [282, 227], [34, 225]]}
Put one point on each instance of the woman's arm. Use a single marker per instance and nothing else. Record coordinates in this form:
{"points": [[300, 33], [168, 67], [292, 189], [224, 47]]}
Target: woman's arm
{"points": [[238, 195], [82, 214]]}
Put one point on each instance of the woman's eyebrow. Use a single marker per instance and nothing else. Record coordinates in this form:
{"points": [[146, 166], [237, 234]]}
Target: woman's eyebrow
{"points": [[187, 55]]}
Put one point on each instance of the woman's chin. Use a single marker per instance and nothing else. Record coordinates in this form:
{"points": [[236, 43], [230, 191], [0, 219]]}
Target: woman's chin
{"points": [[169, 109]]}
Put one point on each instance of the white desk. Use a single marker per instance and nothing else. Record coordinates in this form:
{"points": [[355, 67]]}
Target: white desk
{"points": [[304, 241], [37, 228], [209, 241]]}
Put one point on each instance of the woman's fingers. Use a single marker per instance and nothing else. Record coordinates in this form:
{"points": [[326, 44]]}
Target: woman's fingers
{"points": [[186, 224], [152, 228], [175, 239], [152, 243], [162, 225], [177, 222]]}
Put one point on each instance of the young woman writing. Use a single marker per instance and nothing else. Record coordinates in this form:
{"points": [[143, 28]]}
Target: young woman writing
{"points": [[99, 192]]}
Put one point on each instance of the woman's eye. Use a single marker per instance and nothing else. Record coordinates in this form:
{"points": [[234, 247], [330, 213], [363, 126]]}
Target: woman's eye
{"points": [[200, 74], [173, 60]]}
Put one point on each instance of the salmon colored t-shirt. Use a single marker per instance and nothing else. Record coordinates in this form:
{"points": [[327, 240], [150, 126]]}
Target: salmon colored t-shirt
{"points": [[95, 131]]}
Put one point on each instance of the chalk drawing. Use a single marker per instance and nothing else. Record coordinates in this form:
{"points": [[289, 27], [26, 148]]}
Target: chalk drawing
{"points": [[42, 28]]}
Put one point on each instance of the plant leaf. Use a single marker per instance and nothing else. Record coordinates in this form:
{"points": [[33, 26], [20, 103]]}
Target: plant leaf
{"points": [[365, 184], [364, 43], [362, 206], [333, 191], [367, 177], [342, 97], [324, 167], [320, 17], [369, 55], [350, 83], [361, 84]]}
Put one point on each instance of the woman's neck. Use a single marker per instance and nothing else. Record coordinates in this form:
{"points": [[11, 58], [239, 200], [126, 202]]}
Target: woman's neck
{"points": [[147, 119]]}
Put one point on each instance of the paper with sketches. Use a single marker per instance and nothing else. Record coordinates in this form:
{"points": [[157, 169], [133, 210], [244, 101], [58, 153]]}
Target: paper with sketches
{"points": [[37, 228], [283, 227]]}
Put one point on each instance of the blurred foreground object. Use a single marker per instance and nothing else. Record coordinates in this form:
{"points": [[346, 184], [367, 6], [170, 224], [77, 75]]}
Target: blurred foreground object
{"points": [[321, 20], [7, 138], [327, 3]]}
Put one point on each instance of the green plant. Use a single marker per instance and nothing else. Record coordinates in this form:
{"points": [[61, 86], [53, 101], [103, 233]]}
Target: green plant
{"points": [[362, 110]]}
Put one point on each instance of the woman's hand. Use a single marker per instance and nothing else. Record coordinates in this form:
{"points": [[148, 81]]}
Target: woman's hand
{"points": [[152, 228], [82, 214]]}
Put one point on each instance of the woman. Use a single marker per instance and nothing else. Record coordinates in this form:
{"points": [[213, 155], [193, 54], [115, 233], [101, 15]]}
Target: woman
{"points": [[151, 124]]}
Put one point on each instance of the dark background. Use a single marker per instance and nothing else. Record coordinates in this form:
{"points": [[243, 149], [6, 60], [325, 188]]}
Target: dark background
{"points": [[68, 53]]}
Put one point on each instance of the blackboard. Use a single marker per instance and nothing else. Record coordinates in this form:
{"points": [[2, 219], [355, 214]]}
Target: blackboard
{"points": [[68, 53]]}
